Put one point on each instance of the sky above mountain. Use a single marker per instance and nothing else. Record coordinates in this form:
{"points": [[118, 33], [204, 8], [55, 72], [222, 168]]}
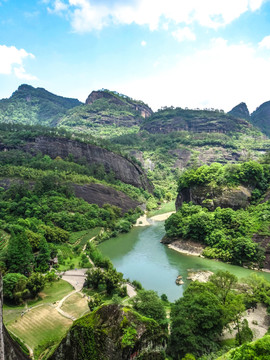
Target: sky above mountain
{"points": [[187, 53]]}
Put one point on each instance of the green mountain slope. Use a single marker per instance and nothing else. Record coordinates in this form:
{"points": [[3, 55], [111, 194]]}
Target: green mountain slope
{"points": [[240, 111], [32, 106], [106, 112], [261, 118], [177, 119]]}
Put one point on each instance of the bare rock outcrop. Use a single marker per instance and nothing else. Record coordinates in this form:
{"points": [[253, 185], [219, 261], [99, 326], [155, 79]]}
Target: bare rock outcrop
{"points": [[124, 170], [101, 194], [117, 99], [213, 197]]}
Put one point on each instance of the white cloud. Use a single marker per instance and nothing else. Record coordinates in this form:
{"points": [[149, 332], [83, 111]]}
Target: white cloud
{"points": [[265, 43], [184, 34], [11, 62], [58, 7], [87, 15], [143, 43], [221, 76]]}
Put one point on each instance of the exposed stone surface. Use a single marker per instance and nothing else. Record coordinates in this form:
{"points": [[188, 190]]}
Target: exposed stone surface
{"points": [[200, 275], [144, 110], [240, 111], [147, 164], [101, 194], [102, 334], [9, 349], [207, 196], [124, 169], [264, 242], [92, 193], [184, 246]]}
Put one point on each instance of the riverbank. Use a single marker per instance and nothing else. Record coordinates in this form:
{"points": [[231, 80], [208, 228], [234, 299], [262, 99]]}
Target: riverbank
{"points": [[145, 221], [187, 247]]}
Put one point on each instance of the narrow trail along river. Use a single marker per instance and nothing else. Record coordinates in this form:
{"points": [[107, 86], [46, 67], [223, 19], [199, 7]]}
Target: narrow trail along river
{"points": [[139, 255]]}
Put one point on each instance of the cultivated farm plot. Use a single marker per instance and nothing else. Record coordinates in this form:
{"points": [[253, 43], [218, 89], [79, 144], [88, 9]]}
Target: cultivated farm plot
{"points": [[81, 237], [76, 305], [40, 325]]}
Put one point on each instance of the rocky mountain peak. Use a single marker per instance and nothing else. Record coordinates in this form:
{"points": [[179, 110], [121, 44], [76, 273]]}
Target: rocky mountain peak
{"points": [[240, 111], [114, 97]]}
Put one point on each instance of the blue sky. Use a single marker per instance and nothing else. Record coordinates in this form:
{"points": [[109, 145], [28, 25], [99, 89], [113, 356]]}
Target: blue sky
{"points": [[188, 53]]}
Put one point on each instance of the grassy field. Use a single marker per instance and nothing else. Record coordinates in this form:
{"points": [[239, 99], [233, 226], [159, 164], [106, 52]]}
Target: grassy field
{"points": [[164, 208], [40, 326], [51, 293], [76, 305]]}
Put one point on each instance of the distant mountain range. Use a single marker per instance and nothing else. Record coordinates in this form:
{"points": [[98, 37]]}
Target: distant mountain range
{"points": [[37, 106]]}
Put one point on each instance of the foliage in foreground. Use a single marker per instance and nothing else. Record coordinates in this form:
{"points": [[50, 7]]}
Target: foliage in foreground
{"points": [[227, 233]]}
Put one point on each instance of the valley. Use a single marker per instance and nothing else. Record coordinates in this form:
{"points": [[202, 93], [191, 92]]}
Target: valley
{"points": [[74, 180]]}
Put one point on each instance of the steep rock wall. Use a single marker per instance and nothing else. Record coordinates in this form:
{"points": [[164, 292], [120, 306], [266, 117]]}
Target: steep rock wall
{"points": [[124, 170], [207, 196], [101, 194]]}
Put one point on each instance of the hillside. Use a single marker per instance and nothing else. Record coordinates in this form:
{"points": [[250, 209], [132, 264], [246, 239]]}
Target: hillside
{"points": [[240, 111], [106, 109], [177, 119], [32, 106], [261, 118]]}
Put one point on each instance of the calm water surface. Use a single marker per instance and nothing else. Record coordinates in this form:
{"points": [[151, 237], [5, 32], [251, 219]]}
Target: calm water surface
{"points": [[139, 255]]}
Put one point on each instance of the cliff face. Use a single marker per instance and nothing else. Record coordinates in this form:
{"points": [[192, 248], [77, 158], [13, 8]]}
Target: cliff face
{"points": [[9, 350], [144, 110], [207, 196], [92, 193], [112, 333], [101, 194], [124, 170]]}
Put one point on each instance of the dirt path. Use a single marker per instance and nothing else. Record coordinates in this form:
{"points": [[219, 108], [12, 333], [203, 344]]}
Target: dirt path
{"points": [[75, 277]]}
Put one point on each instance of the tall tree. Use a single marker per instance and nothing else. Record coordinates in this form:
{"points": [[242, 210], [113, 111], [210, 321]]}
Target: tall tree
{"points": [[43, 257], [19, 254]]}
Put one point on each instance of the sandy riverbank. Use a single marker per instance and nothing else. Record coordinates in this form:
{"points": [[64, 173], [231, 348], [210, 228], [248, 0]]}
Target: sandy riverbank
{"points": [[185, 247], [144, 220], [162, 217]]}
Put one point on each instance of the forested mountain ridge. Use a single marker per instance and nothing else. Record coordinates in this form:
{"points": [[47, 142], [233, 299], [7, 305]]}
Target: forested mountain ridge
{"points": [[32, 106]]}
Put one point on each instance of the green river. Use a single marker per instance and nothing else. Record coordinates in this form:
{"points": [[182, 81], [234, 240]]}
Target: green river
{"points": [[139, 255]]}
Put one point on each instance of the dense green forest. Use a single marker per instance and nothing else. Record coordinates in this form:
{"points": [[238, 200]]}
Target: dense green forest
{"points": [[227, 234]]}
